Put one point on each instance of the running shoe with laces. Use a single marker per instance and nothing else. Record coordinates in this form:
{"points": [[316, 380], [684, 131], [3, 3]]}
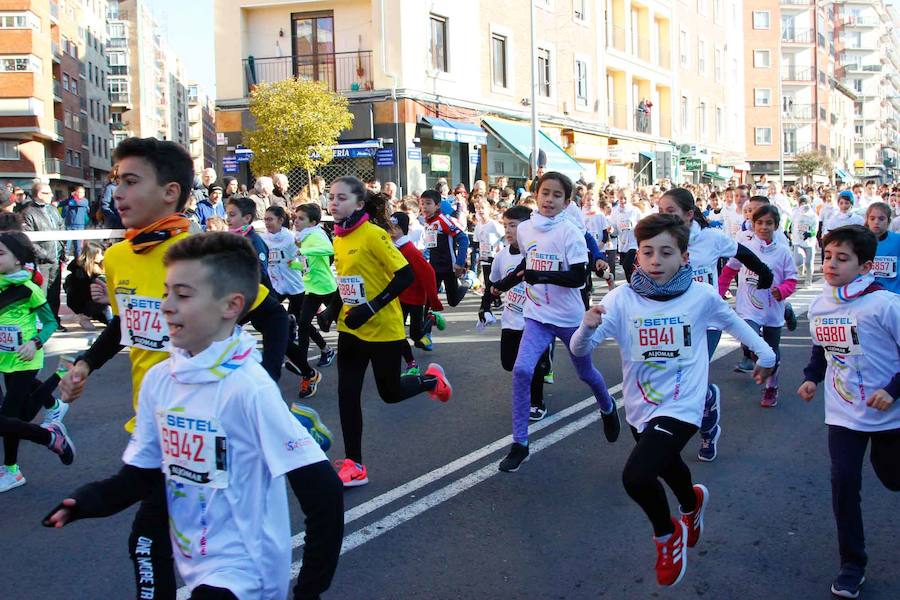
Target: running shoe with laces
{"points": [[10, 480], [537, 413], [611, 425], [313, 423], [55, 414], [439, 320], [671, 561], [711, 408], [518, 453], [424, 343], [308, 385], [549, 378], [709, 442], [848, 582], [693, 521], [442, 390], [790, 317], [60, 442], [745, 366], [411, 372], [769, 397], [352, 474], [326, 357]]}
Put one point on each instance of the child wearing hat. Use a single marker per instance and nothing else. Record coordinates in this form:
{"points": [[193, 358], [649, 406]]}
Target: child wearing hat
{"points": [[844, 214]]}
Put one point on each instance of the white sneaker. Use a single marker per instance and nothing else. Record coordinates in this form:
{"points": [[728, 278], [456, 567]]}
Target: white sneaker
{"points": [[10, 480], [55, 414]]}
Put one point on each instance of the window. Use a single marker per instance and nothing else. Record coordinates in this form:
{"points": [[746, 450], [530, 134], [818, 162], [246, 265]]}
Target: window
{"points": [[76, 159], [720, 124], [717, 11], [581, 82], [73, 85], [701, 116], [857, 85], [544, 75], [24, 64], [684, 113], [762, 97], [763, 136], [579, 7], [823, 114], [437, 46], [69, 157], [9, 150], [65, 82], [498, 48], [683, 48], [762, 59], [20, 20], [760, 19], [701, 57], [67, 119], [717, 64]]}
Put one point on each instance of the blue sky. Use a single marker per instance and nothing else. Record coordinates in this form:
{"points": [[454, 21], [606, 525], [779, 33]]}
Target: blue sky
{"points": [[189, 27]]}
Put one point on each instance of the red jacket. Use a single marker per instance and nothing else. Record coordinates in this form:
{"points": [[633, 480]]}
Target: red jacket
{"points": [[424, 289]]}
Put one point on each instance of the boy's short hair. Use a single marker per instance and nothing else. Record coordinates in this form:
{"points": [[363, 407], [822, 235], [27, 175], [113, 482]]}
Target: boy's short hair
{"points": [[245, 205], [230, 259], [432, 195], [10, 221], [171, 162], [313, 212], [863, 241], [759, 198], [653, 225], [766, 209], [517, 213]]}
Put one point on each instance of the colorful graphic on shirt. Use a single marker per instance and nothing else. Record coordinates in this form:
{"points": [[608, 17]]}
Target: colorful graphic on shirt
{"points": [[840, 366], [644, 374]]}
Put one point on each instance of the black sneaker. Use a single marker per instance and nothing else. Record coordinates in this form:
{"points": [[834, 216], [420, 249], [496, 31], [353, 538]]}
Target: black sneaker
{"points": [[790, 319], [536, 413], [326, 357], [847, 583], [517, 455], [611, 425]]}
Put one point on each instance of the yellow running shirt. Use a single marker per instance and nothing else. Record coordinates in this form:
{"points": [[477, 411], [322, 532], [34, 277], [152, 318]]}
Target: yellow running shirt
{"points": [[366, 260]]}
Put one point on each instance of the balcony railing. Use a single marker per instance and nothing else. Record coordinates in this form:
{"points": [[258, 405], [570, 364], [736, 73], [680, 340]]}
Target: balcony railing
{"points": [[58, 126], [796, 73], [799, 111], [57, 88], [117, 42], [860, 21], [118, 70], [54, 10], [792, 149], [119, 97], [798, 36], [52, 165], [82, 103], [341, 71], [55, 50], [618, 115], [798, 2], [116, 126]]}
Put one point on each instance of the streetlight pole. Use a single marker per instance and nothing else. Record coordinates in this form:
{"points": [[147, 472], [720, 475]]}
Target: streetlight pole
{"points": [[780, 108], [535, 124]]}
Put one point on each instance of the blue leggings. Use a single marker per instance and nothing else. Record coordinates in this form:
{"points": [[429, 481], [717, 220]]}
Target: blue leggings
{"points": [[535, 340]]}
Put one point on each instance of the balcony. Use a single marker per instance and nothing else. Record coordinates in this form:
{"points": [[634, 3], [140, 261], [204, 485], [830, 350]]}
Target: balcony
{"points": [[859, 21], [55, 51], [57, 90], [54, 11], [82, 103], [117, 126], [797, 2], [797, 73], [52, 166], [118, 70], [799, 112], [119, 98], [792, 149], [798, 36], [117, 42], [341, 71], [58, 126]]}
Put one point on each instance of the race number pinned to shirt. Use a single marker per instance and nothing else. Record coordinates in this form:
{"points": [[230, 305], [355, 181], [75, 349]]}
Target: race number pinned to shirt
{"points": [[705, 275], [624, 223], [515, 298], [543, 261], [837, 335], [194, 449], [660, 338], [485, 249], [142, 322], [10, 338], [352, 290], [885, 267], [277, 257], [429, 237]]}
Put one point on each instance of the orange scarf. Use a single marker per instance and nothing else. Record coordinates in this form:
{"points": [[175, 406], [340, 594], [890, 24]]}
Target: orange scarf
{"points": [[144, 240]]}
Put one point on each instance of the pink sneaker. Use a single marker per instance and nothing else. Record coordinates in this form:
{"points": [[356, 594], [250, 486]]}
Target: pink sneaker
{"points": [[442, 391], [352, 474], [769, 397]]}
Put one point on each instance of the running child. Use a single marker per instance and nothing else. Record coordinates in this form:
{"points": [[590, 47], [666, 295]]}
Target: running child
{"points": [[597, 225], [214, 427], [513, 320], [553, 267], [659, 321], [447, 244], [878, 220], [420, 297], [855, 327], [371, 275], [488, 235], [804, 224], [844, 215], [763, 309], [240, 213], [624, 217]]}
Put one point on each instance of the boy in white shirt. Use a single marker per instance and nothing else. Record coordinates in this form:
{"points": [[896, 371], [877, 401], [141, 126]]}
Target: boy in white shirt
{"points": [[659, 321], [855, 327], [215, 426]]}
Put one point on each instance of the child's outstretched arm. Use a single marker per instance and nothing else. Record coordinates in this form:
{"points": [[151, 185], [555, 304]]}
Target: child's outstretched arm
{"points": [[749, 259], [321, 497], [587, 337], [813, 374]]}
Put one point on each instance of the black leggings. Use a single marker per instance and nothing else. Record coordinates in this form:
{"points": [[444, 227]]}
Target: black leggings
{"points": [[611, 259], [271, 321], [151, 549], [207, 592], [23, 430], [454, 292], [658, 455], [627, 259], [304, 309], [354, 356], [15, 404], [847, 448], [417, 327], [509, 349]]}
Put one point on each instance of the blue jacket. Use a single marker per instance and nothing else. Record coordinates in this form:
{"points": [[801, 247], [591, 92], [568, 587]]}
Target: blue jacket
{"points": [[205, 210], [75, 213], [886, 258]]}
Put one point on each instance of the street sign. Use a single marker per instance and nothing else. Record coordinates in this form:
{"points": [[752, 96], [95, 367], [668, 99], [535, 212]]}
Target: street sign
{"points": [[384, 157], [692, 164], [243, 154], [230, 164], [414, 154]]}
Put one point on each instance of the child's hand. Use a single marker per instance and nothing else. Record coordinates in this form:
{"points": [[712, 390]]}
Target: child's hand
{"points": [[60, 515], [880, 400], [760, 374], [98, 292], [776, 293], [594, 316], [72, 384], [807, 390], [26, 351], [601, 265]]}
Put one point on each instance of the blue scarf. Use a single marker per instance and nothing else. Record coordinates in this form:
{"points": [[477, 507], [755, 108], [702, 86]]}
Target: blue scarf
{"points": [[642, 284]]}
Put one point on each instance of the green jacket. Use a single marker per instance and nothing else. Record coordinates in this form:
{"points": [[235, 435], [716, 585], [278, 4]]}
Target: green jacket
{"points": [[315, 250]]}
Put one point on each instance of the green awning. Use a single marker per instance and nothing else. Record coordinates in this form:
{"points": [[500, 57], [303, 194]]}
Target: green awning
{"points": [[517, 138], [713, 175]]}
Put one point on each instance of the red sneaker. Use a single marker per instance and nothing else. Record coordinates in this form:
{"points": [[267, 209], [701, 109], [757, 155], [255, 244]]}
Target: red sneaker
{"points": [[352, 473], [693, 521], [769, 397], [671, 562], [442, 390]]}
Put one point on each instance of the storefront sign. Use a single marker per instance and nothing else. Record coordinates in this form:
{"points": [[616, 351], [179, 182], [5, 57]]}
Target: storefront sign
{"points": [[692, 164], [384, 157], [440, 163], [622, 154], [474, 157], [414, 154]]}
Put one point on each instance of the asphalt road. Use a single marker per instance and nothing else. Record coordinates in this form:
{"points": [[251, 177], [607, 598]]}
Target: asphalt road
{"points": [[438, 521]]}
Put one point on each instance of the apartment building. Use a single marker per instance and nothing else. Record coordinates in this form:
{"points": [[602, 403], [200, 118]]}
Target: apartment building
{"points": [[95, 102], [202, 129]]}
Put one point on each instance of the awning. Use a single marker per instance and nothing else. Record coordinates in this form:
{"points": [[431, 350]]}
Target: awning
{"points": [[843, 175], [455, 131], [647, 155], [517, 138], [741, 166], [713, 175]]}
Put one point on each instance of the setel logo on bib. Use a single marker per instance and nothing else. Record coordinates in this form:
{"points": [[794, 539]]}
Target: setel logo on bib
{"points": [[195, 449], [142, 322], [661, 338], [543, 261], [352, 290], [837, 335]]}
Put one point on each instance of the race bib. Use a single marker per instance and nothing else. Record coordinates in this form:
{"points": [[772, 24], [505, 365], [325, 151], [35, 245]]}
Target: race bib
{"points": [[429, 237], [705, 275], [277, 257], [194, 449], [543, 261], [142, 322], [352, 290], [660, 338], [625, 224], [10, 338], [885, 267], [837, 335], [485, 249], [515, 298]]}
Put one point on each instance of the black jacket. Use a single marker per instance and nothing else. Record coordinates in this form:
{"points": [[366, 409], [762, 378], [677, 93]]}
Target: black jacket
{"points": [[43, 217]]}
